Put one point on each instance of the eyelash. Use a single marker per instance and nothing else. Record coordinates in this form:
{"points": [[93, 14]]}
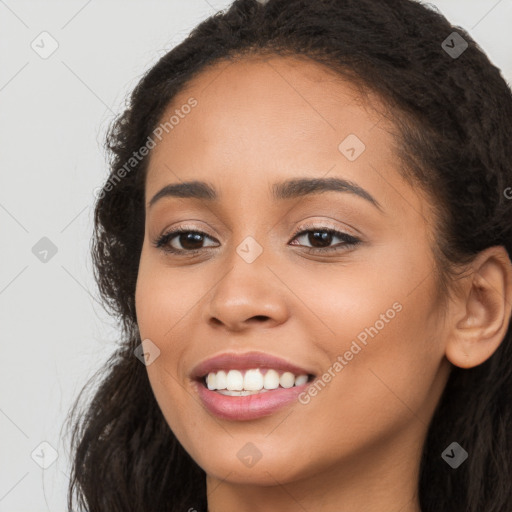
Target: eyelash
{"points": [[348, 240]]}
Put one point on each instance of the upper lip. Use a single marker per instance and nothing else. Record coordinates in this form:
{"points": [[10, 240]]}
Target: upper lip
{"points": [[245, 361]]}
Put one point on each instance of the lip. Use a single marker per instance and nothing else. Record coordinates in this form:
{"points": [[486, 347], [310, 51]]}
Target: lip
{"points": [[250, 407], [245, 361]]}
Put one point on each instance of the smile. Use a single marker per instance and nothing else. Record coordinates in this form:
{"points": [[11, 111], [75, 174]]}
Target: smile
{"points": [[250, 385]]}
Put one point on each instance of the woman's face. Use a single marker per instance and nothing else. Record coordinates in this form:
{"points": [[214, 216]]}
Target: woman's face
{"points": [[364, 319]]}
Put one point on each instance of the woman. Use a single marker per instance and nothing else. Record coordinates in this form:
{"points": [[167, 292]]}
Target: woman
{"points": [[306, 234]]}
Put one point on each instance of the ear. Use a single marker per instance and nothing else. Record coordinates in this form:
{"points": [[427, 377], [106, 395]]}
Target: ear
{"points": [[483, 310]]}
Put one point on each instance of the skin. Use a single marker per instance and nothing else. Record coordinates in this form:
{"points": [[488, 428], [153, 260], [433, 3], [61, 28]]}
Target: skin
{"points": [[356, 445]]}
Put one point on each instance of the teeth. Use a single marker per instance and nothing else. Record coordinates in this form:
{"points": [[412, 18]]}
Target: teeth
{"points": [[241, 393], [210, 381], [253, 380], [287, 380], [271, 380], [221, 381], [300, 380], [235, 383]]}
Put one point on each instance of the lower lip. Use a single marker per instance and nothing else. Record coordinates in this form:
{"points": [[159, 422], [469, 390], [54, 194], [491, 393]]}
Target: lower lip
{"points": [[250, 407]]}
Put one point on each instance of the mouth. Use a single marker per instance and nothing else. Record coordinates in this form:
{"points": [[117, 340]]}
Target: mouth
{"points": [[247, 386]]}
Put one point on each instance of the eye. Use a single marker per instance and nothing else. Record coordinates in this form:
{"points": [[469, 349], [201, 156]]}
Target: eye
{"points": [[321, 237], [188, 241]]}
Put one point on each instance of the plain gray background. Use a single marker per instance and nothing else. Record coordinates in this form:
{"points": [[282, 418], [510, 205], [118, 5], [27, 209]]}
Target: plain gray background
{"points": [[53, 115]]}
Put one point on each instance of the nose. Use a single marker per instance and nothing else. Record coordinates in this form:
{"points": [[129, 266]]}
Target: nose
{"points": [[247, 295]]}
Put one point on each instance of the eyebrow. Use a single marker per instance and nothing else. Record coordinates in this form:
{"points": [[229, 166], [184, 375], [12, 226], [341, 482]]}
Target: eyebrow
{"points": [[290, 189]]}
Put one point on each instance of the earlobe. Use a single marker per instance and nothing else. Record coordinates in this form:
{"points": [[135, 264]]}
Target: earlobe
{"points": [[487, 308]]}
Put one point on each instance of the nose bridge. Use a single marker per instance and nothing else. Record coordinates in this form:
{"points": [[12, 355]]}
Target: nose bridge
{"points": [[247, 289]]}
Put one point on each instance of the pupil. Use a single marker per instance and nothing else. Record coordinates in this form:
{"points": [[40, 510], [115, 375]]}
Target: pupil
{"points": [[317, 238], [191, 238]]}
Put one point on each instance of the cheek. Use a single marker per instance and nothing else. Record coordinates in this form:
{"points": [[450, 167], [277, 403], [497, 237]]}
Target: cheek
{"points": [[164, 297], [377, 327], [164, 302]]}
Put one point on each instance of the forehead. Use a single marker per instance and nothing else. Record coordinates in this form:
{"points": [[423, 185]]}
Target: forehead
{"points": [[278, 96], [261, 120], [263, 108]]}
